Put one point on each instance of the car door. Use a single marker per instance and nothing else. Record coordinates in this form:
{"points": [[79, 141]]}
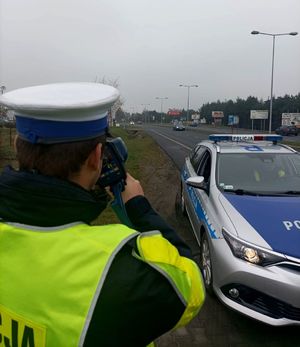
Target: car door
{"points": [[191, 170], [199, 196], [202, 195]]}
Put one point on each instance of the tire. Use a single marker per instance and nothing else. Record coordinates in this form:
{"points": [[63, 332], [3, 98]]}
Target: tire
{"points": [[182, 202], [206, 265]]}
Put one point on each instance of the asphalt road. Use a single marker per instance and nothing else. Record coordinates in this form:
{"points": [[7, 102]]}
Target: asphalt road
{"points": [[216, 325], [177, 144]]}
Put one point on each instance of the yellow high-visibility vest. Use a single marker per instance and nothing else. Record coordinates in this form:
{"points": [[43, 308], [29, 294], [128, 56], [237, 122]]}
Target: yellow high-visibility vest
{"points": [[51, 278]]}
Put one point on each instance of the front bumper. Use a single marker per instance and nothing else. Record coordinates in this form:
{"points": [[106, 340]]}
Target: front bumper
{"points": [[268, 294]]}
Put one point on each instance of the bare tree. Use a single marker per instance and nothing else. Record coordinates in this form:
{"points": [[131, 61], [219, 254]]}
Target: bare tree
{"points": [[3, 110], [119, 103]]}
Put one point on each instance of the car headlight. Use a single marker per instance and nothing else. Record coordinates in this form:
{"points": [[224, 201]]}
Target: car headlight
{"points": [[249, 253]]}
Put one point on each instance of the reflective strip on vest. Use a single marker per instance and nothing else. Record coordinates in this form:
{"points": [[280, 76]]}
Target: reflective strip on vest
{"points": [[50, 280], [183, 273]]}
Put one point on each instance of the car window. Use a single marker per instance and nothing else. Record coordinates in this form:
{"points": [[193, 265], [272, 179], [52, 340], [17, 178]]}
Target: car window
{"points": [[205, 167], [196, 157], [266, 172]]}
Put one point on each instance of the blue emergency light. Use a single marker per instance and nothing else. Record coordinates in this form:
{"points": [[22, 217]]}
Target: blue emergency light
{"points": [[244, 137]]}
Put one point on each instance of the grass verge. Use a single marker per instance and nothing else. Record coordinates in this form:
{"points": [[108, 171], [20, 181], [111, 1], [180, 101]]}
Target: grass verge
{"points": [[7, 153]]}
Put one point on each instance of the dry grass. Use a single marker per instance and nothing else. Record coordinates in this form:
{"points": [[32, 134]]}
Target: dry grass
{"points": [[7, 153]]}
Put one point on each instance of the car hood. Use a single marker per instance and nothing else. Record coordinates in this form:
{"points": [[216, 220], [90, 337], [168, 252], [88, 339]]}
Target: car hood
{"points": [[275, 219]]}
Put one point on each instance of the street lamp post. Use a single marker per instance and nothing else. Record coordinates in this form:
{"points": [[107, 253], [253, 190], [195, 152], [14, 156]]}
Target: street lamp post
{"points": [[161, 105], [254, 32], [188, 86]]}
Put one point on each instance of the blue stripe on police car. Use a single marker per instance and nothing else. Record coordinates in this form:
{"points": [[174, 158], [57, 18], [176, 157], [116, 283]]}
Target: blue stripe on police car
{"points": [[199, 210]]}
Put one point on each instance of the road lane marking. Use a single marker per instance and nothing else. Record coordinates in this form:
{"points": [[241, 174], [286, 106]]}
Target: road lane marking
{"points": [[168, 138]]}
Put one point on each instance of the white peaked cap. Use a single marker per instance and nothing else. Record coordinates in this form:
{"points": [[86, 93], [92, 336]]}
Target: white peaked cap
{"points": [[61, 112]]}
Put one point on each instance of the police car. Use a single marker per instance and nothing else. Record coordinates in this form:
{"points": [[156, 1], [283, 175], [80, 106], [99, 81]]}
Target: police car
{"points": [[242, 196]]}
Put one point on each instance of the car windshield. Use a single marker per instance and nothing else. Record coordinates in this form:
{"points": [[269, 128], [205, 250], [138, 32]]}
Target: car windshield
{"points": [[259, 173]]}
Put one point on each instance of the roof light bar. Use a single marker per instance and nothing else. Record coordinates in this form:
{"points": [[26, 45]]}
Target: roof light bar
{"points": [[244, 137]]}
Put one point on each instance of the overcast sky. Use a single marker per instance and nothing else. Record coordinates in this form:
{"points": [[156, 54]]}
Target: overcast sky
{"points": [[152, 46]]}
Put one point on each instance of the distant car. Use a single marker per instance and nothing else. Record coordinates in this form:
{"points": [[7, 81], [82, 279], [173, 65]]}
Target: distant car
{"points": [[131, 122], [118, 125], [287, 130], [242, 196], [179, 126]]}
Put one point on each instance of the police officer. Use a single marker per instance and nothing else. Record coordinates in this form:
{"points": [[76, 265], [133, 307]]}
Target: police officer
{"points": [[65, 282]]}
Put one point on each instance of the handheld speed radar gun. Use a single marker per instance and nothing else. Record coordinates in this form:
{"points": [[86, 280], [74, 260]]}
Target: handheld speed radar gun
{"points": [[113, 174]]}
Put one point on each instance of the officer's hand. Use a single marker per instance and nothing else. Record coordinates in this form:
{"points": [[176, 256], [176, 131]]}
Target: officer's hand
{"points": [[132, 188]]}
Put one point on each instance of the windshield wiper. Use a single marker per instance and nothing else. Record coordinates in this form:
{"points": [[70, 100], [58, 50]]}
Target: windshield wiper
{"points": [[242, 192], [252, 193], [291, 192]]}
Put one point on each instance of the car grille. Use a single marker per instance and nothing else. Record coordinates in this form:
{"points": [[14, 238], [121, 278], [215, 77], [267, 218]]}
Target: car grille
{"points": [[262, 303]]}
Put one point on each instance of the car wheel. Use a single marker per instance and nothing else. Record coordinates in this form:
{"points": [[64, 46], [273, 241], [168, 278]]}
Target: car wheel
{"points": [[182, 202], [205, 264]]}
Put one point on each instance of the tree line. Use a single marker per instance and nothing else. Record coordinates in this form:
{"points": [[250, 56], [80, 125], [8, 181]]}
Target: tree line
{"points": [[242, 108], [239, 107]]}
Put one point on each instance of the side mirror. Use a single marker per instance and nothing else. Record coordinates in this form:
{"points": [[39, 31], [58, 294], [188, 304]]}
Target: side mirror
{"points": [[196, 182]]}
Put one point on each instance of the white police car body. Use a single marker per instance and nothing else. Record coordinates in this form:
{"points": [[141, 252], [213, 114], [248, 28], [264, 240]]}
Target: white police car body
{"points": [[242, 198]]}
